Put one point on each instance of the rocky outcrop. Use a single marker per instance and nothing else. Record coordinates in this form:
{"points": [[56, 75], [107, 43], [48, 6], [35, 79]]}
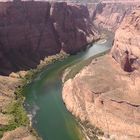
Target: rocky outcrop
{"points": [[109, 15], [105, 95], [31, 30], [13, 119], [126, 49], [102, 95], [21, 133]]}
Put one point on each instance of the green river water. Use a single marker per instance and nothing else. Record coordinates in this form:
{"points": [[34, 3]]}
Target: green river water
{"points": [[44, 102]]}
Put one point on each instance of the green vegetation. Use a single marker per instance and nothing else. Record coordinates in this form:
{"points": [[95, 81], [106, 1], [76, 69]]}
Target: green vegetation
{"points": [[17, 112], [43, 63], [73, 70], [15, 108]]}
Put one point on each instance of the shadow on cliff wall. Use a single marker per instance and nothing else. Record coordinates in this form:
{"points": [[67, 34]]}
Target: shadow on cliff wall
{"points": [[31, 30]]}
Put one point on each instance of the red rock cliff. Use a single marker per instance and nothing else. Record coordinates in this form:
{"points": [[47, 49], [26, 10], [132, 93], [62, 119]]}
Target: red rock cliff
{"points": [[109, 15], [126, 49], [32, 30], [105, 95]]}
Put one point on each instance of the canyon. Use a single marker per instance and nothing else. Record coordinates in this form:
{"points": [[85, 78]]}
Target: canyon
{"points": [[32, 30], [106, 93], [108, 15]]}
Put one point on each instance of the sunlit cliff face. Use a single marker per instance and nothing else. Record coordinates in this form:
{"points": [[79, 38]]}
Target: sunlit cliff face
{"points": [[126, 49], [106, 93]]}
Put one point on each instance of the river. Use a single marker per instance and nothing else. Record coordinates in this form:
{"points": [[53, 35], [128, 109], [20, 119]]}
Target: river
{"points": [[44, 102]]}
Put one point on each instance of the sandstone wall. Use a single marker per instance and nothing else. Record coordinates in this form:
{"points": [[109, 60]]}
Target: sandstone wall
{"points": [[126, 49], [106, 94], [110, 15], [106, 97], [32, 30]]}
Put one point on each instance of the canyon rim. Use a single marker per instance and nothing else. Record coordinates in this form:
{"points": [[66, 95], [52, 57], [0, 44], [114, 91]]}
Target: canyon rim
{"points": [[104, 92]]}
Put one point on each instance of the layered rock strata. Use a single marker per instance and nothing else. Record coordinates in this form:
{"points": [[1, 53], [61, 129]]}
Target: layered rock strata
{"points": [[106, 95], [109, 15], [126, 49], [31, 30]]}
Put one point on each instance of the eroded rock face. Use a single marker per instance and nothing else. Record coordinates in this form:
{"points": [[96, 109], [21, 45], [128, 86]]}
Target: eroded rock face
{"points": [[109, 15], [126, 49], [106, 95], [29, 31]]}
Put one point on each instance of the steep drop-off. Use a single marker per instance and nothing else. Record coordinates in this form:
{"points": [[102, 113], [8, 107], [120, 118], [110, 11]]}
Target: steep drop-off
{"points": [[109, 14], [31, 30], [126, 49], [105, 95]]}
